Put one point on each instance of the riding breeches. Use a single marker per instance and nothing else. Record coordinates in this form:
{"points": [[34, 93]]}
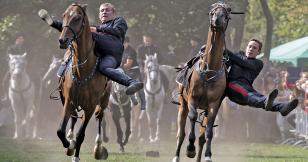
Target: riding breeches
{"points": [[244, 94]]}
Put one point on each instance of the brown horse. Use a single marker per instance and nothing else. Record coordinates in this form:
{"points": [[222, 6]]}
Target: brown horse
{"points": [[206, 87], [82, 87]]}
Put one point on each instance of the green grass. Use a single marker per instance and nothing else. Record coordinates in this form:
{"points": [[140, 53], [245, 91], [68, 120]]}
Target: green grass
{"points": [[52, 151]]}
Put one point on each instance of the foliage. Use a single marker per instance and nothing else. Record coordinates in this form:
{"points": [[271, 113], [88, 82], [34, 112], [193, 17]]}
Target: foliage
{"points": [[290, 21]]}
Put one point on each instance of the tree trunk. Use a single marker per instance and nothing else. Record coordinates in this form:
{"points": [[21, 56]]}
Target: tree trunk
{"points": [[269, 29]]}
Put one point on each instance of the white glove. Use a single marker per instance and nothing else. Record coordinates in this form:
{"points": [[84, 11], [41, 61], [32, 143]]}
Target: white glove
{"points": [[43, 14]]}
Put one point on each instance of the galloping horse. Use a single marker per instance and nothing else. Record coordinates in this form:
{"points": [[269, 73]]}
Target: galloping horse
{"points": [[22, 97], [206, 87], [82, 87], [120, 102], [154, 95]]}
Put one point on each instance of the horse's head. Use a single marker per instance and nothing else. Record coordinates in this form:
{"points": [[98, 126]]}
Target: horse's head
{"points": [[17, 64], [151, 67], [74, 23], [219, 16]]}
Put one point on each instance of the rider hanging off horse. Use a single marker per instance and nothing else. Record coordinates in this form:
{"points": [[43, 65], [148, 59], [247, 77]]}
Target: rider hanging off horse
{"points": [[109, 37], [244, 69]]}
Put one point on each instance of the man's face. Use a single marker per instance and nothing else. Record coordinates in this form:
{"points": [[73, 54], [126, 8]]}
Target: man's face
{"points": [[20, 40], [252, 49], [147, 41], [106, 13]]}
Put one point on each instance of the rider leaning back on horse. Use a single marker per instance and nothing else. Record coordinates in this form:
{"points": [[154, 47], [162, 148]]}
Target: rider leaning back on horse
{"points": [[109, 37]]}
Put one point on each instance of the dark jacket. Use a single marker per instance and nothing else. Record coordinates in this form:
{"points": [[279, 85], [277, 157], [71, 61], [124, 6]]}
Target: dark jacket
{"points": [[130, 53], [116, 27], [243, 69], [17, 49]]}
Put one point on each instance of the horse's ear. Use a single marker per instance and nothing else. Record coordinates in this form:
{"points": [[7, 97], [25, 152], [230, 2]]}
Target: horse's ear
{"points": [[10, 56], [24, 55], [146, 57], [84, 6], [155, 55]]}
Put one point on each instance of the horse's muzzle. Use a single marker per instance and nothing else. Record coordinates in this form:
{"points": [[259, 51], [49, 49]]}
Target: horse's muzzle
{"points": [[64, 43]]}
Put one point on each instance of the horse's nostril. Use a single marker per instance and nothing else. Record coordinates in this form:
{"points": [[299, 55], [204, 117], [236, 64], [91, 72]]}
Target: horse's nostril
{"points": [[62, 40]]}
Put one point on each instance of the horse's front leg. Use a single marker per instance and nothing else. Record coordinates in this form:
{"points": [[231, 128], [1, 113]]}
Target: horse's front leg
{"points": [[127, 118], [209, 132], [151, 124], [181, 121], [70, 134], [158, 122], [202, 138], [62, 128], [81, 133], [100, 152], [191, 150]]}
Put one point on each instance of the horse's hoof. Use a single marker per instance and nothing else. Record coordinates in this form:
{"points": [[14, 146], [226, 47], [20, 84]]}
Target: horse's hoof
{"points": [[191, 151], [75, 159], [100, 152], [122, 149], [208, 159], [71, 149], [176, 159]]}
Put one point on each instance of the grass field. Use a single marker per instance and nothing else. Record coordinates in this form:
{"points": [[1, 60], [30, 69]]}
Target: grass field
{"points": [[52, 151]]}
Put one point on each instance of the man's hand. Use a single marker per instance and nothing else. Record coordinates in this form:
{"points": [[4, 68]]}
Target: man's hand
{"points": [[43, 14], [93, 29]]}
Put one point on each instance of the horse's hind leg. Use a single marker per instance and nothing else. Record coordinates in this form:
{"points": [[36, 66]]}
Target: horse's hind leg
{"points": [[181, 121], [116, 115]]}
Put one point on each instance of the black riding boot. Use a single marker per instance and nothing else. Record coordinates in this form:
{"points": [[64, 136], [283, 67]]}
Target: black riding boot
{"points": [[121, 78], [285, 108]]}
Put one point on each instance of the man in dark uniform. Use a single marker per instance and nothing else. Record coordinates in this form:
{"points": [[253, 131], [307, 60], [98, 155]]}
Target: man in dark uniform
{"points": [[109, 38], [131, 68], [19, 47], [147, 48], [244, 70]]}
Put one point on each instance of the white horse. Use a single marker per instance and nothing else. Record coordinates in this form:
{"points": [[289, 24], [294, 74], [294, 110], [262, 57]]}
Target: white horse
{"points": [[154, 96], [21, 95]]}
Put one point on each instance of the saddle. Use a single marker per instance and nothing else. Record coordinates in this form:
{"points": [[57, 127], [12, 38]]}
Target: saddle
{"points": [[68, 61], [185, 73]]}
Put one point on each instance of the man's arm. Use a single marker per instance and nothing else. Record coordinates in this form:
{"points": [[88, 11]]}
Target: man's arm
{"points": [[57, 24], [246, 63]]}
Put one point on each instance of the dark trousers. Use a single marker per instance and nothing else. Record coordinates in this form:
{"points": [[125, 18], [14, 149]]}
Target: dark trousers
{"points": [[107, 67], [108, 45], [244, 94]]}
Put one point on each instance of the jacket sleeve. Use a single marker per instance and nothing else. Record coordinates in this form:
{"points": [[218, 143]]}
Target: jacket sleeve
{"points": [[118, 29], [57, 24], [255, 65]]}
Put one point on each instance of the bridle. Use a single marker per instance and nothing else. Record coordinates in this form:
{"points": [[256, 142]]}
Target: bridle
{"points": [[75, 34], [227, 17]]}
